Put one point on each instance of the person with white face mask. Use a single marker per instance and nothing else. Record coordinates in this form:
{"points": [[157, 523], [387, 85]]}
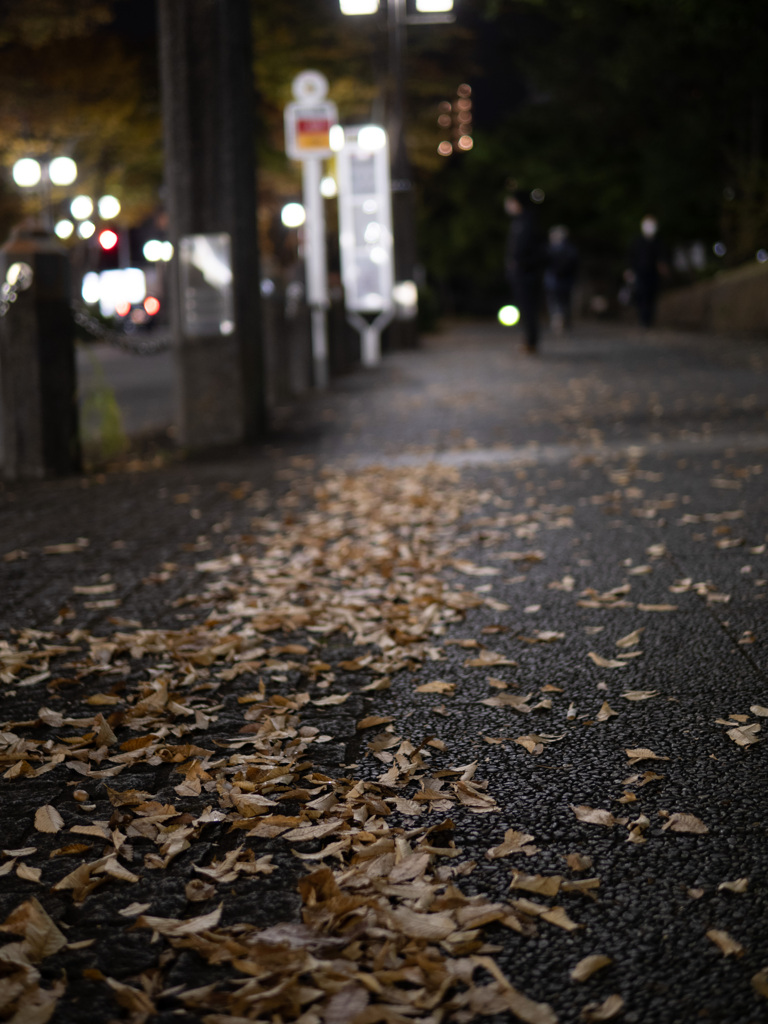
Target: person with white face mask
{"points": [[648, 264]]}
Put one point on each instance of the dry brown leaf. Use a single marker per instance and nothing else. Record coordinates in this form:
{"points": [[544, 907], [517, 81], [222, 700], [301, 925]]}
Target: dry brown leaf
{"points": [[578, 862], [593, 815], [605, 662], [514, 842], [636, 754], [724, 942], [657, 607], [371, 720], [131, 998], [48, 819], [631, 639], [172, 926], [432, 927], [759, 710], [606, 712], [685, 823], [559, 917], [41, 936], [586, 967], [640, 694], [760, 982], [607, 1010], [544, 885], [745, 735], [437, 686], [739, 885], [27, 873]]}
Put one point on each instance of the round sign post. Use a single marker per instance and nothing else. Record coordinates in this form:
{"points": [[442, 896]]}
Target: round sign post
{"points": [[308, 122]]}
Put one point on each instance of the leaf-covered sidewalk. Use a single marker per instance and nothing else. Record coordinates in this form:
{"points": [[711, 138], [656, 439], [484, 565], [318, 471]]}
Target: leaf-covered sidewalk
{"points": [[461, 732]]}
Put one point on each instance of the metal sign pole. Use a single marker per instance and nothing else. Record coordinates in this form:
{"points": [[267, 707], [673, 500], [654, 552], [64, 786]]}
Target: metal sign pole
{"points": [[316, 267], [308, 121]]}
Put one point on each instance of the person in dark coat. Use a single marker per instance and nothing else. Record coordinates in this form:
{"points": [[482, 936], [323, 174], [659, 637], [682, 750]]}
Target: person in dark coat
{"points": [[560, 277], [648, 264], [524, 263]]}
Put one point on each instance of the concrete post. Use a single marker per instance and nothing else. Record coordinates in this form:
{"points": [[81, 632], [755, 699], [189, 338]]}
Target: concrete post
{"points": [[207, 94], [37, 361]]}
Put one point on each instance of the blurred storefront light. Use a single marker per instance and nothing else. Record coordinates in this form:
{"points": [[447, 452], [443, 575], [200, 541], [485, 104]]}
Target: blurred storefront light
{"points": [[156, 251], [86, 229], [433, 6]]}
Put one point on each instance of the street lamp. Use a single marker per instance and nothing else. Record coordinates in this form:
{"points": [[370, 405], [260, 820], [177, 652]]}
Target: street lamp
{"points": [[29, 173], [429, 12]]}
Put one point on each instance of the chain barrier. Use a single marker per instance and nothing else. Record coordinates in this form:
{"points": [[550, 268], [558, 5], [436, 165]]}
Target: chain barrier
{"points": [[140, 345]]}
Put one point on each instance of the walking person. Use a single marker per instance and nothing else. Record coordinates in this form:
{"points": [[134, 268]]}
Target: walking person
{"points": [[648, 264], [524, 263], [560, 277]]}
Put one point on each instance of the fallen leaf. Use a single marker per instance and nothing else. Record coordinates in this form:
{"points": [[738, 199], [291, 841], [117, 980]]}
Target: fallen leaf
{"points": [[42, 938], [657, 607], [607, 1010], [606, 712], [544, 885], [593, 815], [48, 819], [724, 942], [514, 842], [371, 720], [745, 735], [631, 639], [739, 885], [578, 862], [605, 662], [640, 694], [759, 710], [437, 686], [586, 967], [760, 982], [636, 754], [685, 823]]}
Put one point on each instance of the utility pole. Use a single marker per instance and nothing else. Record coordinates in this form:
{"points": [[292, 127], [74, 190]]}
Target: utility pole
{"points": [[207, 96]]}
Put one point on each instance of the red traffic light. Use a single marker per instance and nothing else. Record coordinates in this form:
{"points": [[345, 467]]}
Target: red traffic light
{"points": [[108, 239]]}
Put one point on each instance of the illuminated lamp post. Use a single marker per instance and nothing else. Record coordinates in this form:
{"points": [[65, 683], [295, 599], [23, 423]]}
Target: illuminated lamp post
{"points": [[29, 173], [428, 12]]}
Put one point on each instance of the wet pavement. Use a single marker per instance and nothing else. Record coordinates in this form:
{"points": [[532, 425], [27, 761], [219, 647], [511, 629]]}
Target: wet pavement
{"points": [[493, 626]]}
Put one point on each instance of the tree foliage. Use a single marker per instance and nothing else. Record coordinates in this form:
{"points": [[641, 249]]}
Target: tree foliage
{"points": [[614, 108]]}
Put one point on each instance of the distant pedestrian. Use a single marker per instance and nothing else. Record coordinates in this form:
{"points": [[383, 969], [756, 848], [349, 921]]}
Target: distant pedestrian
{"points": [[560, 277], [524, 260], [648, 264]]}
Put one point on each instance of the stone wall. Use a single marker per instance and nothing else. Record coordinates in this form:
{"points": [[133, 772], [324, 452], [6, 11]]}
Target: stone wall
{"points": [[733, 300]]}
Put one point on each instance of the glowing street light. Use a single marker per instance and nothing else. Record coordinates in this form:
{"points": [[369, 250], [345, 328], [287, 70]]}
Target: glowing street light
{"points": [[62, 170], [64, 229], [293, 215], [27, 172], [109, 207], [81, 207]]}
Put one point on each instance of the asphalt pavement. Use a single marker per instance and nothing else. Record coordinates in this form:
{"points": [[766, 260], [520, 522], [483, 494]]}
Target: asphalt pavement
{"points": [[446, 703]]}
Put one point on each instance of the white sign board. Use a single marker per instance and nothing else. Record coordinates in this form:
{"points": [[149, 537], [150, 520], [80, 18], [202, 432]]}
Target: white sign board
{"points": [[365, 220], [207, 301], [308, 128]]}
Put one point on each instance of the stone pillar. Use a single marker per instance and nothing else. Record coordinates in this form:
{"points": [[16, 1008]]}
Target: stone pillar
{"points": [[207, 95], [37, 360]]}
